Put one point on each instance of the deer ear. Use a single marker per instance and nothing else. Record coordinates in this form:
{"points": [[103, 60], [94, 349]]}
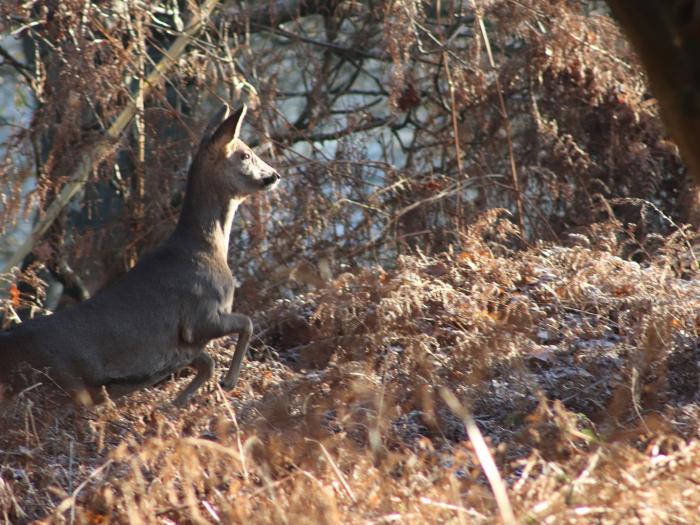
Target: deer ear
{"points": [[229, 129], [214, 122]]}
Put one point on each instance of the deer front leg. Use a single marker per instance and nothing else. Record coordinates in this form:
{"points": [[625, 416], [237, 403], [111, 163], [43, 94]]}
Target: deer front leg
{"points": [[225, 324], [244, 327]]}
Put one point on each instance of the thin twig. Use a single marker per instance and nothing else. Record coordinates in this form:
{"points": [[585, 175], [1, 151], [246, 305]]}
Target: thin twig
{"points": [[336, 470], [485, 458], [22, 69], [70, 501], [681, 232], [506, 120], [239, 443], [455, 133]]}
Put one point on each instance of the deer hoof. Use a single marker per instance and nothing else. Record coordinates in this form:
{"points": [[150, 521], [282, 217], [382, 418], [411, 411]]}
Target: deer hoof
{"points": [[181, 401], [228, 384]]}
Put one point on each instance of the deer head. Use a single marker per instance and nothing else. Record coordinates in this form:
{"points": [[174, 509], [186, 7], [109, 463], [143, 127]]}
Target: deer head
{"points": [[230, 165]]}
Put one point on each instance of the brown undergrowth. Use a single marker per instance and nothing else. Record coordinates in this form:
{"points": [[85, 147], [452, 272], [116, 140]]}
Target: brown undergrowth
{"points": [[579, 367]]}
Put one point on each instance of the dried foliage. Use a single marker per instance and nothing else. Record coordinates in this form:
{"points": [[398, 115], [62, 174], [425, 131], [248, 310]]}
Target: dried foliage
{"points": [[579, 366], [479, 198], [393, 126]]}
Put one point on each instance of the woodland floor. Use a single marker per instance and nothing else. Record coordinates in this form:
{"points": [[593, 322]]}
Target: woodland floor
{"points": [[581, 369]]}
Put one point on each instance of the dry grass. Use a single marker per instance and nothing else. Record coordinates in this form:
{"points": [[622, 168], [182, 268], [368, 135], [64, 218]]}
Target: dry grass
{"points": [[579, 367]]}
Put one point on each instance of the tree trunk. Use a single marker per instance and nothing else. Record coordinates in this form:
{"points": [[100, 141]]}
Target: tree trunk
{"points": [[666, 37]]}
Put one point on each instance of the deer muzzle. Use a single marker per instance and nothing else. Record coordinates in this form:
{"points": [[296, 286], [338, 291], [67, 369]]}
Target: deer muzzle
{"points": [[271, 180]]}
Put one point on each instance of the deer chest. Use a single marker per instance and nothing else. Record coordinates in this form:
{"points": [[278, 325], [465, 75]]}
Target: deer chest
{"points": [[216, 289]]}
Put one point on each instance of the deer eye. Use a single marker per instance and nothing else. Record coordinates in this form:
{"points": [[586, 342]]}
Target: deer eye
{"points": [[245, 156]]}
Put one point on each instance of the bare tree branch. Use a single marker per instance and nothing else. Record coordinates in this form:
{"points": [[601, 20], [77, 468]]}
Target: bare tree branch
{"points": [[22, 69], [297, 135], [89, 159], [274, 12]]}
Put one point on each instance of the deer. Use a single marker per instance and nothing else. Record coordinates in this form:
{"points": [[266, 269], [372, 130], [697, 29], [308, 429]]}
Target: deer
{"points": [[159, 316]]}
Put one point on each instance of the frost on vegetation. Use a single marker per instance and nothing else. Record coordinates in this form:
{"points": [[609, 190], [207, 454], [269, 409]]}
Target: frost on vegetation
{"points": [[553, 349]]}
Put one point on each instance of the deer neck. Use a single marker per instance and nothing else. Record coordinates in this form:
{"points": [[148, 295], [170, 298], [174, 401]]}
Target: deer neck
{"points": [[207, 216]]}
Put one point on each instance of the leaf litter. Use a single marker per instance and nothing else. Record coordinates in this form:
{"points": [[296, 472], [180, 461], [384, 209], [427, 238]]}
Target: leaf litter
{"points": [[580, 368]]}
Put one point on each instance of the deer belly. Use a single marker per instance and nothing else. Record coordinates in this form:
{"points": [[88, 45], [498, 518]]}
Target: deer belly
{"points": [[180, 357], [148, 361]]}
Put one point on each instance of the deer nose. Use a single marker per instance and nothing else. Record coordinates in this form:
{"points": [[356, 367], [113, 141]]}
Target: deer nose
{"points": [[271, 179]]}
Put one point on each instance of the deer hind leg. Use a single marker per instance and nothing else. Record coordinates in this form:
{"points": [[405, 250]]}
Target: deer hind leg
{"points": [[204, 366], [244, 327]]}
